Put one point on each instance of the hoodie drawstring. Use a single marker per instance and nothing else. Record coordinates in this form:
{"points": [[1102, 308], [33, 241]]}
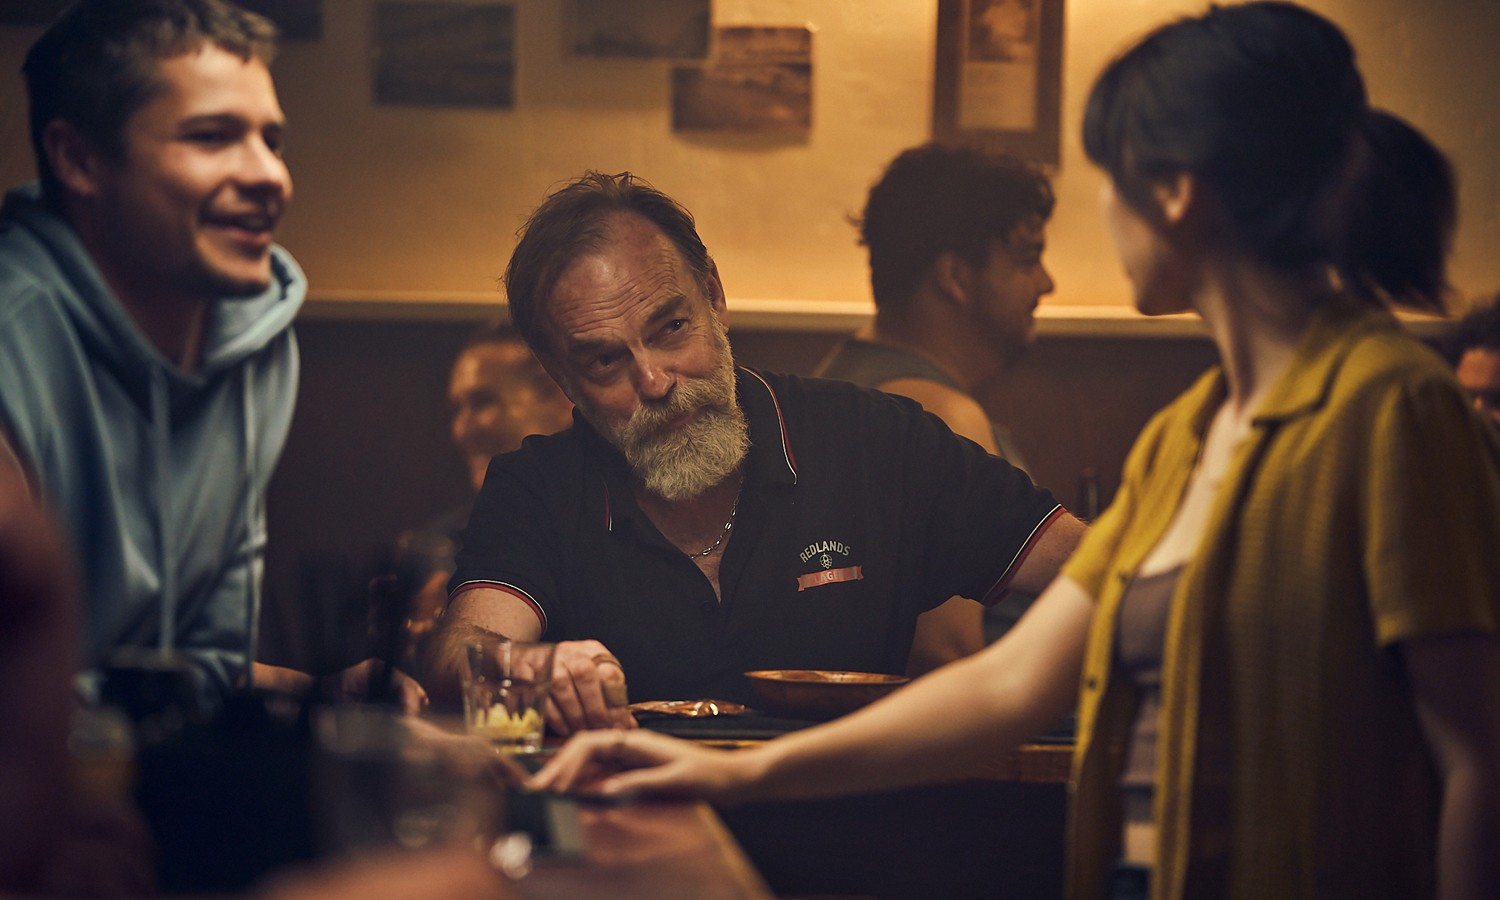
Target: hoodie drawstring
{"points": [[254, 522], [161, 437]]}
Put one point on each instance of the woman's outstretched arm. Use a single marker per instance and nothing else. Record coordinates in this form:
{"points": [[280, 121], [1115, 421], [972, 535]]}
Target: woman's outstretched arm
{"points": [[941, 726]]}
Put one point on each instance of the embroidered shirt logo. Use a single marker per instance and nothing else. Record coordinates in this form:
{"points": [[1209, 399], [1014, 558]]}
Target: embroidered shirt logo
{"points": [[812, 550], [825, 554]]}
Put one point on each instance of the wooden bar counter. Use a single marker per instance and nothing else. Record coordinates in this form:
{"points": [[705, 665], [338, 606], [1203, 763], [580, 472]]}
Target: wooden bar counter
{"points": [[1049, 763], [997, 833], [649, 850]]}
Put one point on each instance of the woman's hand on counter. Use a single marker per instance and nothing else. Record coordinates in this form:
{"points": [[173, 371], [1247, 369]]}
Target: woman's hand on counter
{"points": [[621, 763]]}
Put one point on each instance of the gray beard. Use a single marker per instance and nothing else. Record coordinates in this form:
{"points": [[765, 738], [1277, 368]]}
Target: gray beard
{"points": [[683, 463]]}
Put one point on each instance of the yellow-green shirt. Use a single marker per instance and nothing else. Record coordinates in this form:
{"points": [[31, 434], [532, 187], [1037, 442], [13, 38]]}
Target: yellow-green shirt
{"points": [[1363, 510]]}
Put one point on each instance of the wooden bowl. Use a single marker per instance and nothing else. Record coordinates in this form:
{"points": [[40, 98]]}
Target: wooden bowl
{"points": [[818, 693]]}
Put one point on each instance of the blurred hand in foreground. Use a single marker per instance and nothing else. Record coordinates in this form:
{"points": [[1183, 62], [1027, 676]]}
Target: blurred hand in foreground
{"points": [[56, 835], [104, 849]]}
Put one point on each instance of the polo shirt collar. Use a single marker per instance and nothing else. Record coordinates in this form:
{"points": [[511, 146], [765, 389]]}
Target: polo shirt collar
{"points": [[770, 460]]}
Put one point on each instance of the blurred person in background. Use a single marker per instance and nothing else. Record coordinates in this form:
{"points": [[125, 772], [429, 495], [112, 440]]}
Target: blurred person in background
{"points": [[499, 395], [955, 237], [1474, 349]]}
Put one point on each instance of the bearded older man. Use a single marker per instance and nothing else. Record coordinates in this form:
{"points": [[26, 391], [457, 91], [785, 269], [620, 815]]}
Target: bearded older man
{"points": [[700, 520]]}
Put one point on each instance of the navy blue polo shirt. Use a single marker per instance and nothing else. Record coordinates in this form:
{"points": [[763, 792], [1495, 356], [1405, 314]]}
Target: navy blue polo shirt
{"points": [[859, 512]]}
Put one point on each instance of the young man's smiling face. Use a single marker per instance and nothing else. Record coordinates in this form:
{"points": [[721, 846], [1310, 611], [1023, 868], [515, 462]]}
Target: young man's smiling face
{"points": [[191, 207]]}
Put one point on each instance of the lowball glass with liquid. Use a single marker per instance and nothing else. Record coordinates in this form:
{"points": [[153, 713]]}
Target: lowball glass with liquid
{"points": [[505, 687]]}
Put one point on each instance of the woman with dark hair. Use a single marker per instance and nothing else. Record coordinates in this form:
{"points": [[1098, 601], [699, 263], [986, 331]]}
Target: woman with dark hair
{"points": [[1284, 634]]}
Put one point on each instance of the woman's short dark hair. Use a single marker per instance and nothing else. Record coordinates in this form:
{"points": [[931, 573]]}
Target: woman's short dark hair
{"points": [[938, 198], [1264, 103], [571, 223], [94, 66]]}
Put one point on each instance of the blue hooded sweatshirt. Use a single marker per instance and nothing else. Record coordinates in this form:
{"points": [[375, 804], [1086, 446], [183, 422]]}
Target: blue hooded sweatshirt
{"points": [[158, 474]]}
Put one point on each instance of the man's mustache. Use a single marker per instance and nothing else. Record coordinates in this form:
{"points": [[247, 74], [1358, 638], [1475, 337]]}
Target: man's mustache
{"points": [[652, 417]]}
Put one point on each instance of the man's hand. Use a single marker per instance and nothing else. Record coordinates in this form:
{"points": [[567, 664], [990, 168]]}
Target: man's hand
{"points": [[588, 684], [588, 689], [354, 683]]}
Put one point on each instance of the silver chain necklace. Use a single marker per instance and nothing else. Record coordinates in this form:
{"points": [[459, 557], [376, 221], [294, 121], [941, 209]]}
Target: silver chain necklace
{"points": [[723, 534]]}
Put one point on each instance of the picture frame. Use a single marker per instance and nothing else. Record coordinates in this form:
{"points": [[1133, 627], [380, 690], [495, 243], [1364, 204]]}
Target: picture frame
{"points": [[444, 54], [998, 78], [759, 81], [642, 29], [296, 20]]}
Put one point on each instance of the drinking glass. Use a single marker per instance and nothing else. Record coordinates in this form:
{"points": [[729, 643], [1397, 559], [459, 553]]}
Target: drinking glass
{"points": [[505, 689]]}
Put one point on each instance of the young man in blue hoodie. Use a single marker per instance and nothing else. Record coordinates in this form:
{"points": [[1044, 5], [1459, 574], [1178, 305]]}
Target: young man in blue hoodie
{"points": [[148, 368]]}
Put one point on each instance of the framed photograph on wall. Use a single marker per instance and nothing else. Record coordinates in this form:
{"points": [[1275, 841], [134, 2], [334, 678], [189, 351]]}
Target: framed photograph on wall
{"points": [[998, 82], [760, 81], [642, 29], [445, 54], [297, 20]]}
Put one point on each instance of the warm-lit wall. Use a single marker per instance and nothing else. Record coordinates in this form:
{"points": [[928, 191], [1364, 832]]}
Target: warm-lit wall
{"points": [[399, 202]]}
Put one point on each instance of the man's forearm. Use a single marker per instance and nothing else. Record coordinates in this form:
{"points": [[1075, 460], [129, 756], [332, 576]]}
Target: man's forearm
{"points": [[443, 660], [473, 615], [280, 679]]}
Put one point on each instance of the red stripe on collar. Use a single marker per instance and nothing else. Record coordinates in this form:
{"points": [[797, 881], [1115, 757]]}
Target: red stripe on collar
{"points": [[786, 441], [609, 513]]}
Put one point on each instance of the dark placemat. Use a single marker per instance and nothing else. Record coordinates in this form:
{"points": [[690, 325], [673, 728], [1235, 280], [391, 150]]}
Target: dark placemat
{"points": [[749, 726], [754, 726]]}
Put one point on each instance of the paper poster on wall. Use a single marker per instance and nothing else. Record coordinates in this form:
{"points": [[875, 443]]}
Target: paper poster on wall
{"points": [[999, 75], [445, 54], [760, 80], [642, 29]]}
